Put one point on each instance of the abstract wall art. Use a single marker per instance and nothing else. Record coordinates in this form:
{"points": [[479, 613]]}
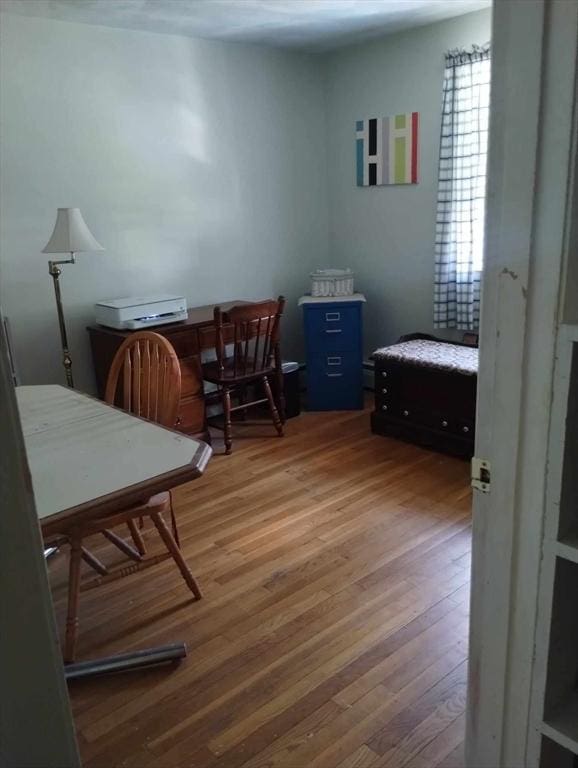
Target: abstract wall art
{"points": [[386, 150]]}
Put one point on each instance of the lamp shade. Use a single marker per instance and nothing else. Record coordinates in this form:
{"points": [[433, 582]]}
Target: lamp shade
{"points": [[71, 235]]}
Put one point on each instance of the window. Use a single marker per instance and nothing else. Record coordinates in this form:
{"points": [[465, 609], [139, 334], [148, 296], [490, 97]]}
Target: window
{"points": [[459, 244]]}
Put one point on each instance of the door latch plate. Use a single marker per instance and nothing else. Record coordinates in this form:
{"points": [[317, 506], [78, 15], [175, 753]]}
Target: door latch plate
{"points": [[481, 474]]}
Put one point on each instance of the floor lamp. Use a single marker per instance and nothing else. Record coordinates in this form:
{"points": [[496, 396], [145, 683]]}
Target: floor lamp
{"points": [[70, 235]]}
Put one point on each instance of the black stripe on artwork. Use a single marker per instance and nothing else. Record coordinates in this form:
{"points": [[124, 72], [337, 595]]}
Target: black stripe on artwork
{"points": [[373, 137], [372, 168]]}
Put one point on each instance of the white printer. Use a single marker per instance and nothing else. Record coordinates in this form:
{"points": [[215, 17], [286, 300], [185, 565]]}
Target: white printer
{"points": [[138, 312]]}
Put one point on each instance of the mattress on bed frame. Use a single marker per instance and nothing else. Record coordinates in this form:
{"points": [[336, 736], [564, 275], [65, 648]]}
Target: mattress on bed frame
{"points": [[425, 392]]}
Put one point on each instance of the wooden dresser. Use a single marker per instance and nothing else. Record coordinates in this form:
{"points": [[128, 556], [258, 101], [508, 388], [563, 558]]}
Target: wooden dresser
{"points": [[425, 392], [189, 338]]}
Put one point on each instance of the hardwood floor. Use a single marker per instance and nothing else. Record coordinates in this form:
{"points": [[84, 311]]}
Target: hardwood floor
{"points": [[333, 628]]}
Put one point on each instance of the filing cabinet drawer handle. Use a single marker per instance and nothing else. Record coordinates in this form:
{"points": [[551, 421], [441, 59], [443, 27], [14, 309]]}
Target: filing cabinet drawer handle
{"points": [[334, 361], [332, 317], [334, 375], [333, 330]]}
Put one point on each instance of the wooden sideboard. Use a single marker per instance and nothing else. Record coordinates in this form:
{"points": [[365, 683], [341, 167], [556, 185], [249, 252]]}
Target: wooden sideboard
{"points": [[189, 338]]}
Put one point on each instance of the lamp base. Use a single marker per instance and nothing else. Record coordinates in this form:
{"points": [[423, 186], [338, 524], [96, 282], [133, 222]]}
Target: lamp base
{"points": [[55, 272], [67, 363]]}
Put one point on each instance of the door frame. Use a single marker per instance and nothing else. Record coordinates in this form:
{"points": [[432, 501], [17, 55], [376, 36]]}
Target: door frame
{"points": [[531, 136]]}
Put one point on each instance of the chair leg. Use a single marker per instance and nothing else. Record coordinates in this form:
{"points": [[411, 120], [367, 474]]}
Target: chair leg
{"points": [[93, 561], [227, 415], [176, 553], [281, 396], [73, 597], [122, 545], [175, 529], [274, 412], [137, 537], [176, 536]]}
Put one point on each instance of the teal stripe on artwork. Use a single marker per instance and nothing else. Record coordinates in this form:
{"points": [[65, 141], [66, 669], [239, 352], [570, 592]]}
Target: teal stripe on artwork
{"points": [[359, 147]]}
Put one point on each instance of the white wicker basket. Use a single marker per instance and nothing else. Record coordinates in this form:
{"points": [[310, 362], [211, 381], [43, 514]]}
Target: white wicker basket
{"points": [[332, 282]]}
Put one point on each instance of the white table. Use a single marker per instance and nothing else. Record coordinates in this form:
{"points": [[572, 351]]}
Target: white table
{"points": [[89, 459]]}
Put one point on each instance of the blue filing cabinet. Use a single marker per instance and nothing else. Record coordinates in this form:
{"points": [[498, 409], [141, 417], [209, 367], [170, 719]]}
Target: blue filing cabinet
{"points": [[334, 343]]}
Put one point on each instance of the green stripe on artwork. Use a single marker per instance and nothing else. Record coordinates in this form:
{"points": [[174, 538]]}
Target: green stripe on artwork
{"points": [[400, 121], [400, 164]]}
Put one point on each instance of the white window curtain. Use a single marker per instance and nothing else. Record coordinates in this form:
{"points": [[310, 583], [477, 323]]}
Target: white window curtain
{"points": [[459, 244]]}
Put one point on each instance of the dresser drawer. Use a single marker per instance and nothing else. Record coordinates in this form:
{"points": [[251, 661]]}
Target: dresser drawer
{"points": [[191, 416], [333, 329], [386, 390], [422, 417], [329, 390], [191, 376], [455, 426], [339, 361], [185, 343], [401, 411]]}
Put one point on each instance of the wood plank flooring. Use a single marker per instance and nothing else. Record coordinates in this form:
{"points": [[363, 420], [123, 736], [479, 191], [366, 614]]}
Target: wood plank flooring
{"points": [[333, 628]]}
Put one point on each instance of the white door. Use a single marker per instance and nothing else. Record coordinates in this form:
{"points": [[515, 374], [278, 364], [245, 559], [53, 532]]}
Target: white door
{"points": [[36, 728], [533, 94]]}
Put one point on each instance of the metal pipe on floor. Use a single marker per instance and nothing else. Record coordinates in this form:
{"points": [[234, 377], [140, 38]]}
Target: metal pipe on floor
{"points": [[126, 662]]}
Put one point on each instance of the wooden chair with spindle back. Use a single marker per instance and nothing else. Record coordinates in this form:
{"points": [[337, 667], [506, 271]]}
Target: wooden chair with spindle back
{"points": [[247, 341], [151, 378], [145, 379]]}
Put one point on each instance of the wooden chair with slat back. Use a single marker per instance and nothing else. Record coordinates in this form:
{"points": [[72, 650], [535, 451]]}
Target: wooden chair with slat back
{"points": [[145, 379], [248, 352]]}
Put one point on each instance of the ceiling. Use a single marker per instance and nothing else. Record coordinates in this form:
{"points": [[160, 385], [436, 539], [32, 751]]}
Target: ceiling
{"points": [[311, 25]]}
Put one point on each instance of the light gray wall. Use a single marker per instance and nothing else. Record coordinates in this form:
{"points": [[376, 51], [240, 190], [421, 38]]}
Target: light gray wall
{"points": [[198, 165], [214, 169], [386, 234]]}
